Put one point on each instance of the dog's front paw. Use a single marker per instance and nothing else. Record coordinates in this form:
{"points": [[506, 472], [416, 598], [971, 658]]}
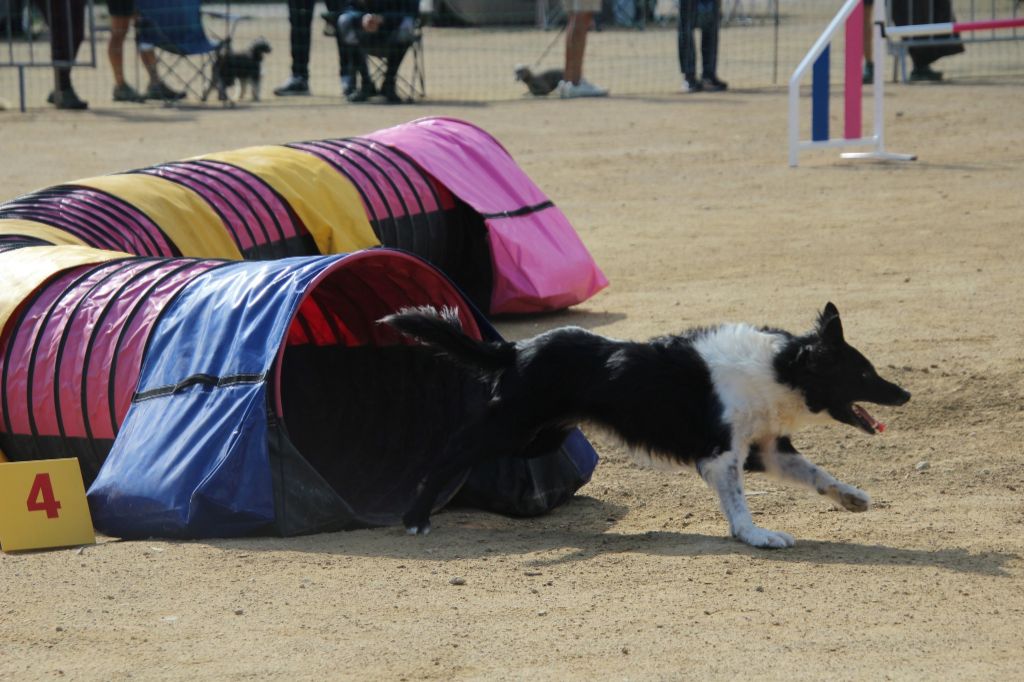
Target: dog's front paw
{"points": [[850, 498], [416, 524], [763, 538]]}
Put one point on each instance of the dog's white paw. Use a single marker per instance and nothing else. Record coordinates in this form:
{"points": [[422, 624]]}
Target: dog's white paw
{"points": [[766, 539], [418, 530], [848, 497]]}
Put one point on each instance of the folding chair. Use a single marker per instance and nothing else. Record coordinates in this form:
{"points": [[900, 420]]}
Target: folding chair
{"points": [[176, 28], [410, 84], [411, 81]]}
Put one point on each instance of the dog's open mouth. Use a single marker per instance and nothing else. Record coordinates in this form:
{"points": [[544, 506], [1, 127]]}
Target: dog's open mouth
{"points": [[866, 421]]}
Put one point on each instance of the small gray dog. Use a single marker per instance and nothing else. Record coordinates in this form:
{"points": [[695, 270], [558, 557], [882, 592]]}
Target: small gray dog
{"points": [[245, 68], [539, 84]]}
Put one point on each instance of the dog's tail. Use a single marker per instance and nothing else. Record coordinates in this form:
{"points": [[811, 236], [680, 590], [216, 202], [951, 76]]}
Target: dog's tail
{"points": [[442, 330]]}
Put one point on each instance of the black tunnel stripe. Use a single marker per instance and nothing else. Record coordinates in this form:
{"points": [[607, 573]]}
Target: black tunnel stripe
{"points": [[355, 159], [44, 323], [372, 160], [224, 179], [203, 190], [60, 220], [129, 320], [136, 216], [117, 210], [153, 264], [412, 217], [250, 178], [373, 218], [383, 226], [345, 166], [200, 380], [433, 220]]}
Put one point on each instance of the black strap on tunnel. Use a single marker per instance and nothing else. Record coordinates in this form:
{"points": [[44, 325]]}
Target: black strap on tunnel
{"points": [[156, 322], [524, 210], [200, 380], [130, 318], [44, 322]]}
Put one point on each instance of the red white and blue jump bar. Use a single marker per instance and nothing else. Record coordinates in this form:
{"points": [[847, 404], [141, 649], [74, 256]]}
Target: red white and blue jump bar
{"points": [[952, 27], [850, 20]]}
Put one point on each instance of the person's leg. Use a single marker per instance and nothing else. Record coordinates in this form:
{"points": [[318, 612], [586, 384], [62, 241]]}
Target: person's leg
{"points": [[709, 17], [684, 39], [115, 48], [576, 44], [393, 61], [67, 31], [707, 21], [300, 21], [349, 53]]}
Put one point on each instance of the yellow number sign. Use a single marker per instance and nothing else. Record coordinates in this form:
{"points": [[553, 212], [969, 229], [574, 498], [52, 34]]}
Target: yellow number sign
{"points": [[42, 504]]}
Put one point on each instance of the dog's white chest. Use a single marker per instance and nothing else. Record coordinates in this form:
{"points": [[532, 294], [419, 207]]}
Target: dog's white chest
{"points": [[756, 406]]}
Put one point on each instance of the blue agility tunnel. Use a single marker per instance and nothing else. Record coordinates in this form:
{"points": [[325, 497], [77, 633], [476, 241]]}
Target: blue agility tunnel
{"points": [[253, 397]]}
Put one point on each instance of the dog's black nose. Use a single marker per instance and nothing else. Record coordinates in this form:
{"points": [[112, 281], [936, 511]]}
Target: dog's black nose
{"points": [[903, 398]]}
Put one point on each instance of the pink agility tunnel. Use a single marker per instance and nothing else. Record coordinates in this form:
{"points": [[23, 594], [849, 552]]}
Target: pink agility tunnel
{"points": [[439, 188]]}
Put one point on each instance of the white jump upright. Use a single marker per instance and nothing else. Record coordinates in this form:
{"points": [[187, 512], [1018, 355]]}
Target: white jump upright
{"points": [[850, 18]]}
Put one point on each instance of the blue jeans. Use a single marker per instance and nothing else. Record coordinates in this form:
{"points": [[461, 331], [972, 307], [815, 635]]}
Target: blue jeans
{"points": [[707, 16]]}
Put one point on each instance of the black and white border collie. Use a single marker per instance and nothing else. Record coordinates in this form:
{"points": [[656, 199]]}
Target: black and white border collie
{"points": [[722, 399]]}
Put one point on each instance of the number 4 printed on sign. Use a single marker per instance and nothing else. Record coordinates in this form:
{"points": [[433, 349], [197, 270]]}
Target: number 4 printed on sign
{"points": [[40, 497], [43, 504]]}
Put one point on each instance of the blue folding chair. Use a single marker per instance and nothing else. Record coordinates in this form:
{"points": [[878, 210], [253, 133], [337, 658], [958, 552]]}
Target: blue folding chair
{"points": [[187, 56]]}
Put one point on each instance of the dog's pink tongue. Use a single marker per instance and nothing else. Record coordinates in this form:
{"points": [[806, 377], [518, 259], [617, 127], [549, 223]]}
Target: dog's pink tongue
{"points": [[866, 416]]}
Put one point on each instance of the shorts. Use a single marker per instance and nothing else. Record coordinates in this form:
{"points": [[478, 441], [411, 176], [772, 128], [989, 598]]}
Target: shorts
{"points": [[121, 8], [573, 6]]}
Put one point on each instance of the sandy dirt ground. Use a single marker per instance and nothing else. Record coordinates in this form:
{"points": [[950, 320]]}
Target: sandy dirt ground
{"points": [[691, 210]]}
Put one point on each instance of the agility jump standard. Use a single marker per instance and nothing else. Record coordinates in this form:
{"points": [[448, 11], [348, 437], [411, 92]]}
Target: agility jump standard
{"points": [[850, 18]]}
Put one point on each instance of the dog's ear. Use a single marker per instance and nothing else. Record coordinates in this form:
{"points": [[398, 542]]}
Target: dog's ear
{"points": [[830, 327]]}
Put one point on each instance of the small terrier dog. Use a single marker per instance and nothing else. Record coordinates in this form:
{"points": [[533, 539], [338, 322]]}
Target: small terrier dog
{"points": [[241, 67], [539, 84]]}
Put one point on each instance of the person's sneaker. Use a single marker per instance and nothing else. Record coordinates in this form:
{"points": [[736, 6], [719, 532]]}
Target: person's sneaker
{"points": [[348, 86], [691, 85], [926, 73], [363, 94], [868, 76], [295, 86], [126, 93], [570, 90], [161, 91], [66, 99], [391, 97], [712, 84]]}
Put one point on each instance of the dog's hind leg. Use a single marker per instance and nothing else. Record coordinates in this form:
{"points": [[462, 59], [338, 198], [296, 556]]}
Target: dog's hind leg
{"points": [[784, 462], [484, 438], [723, 474]]}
